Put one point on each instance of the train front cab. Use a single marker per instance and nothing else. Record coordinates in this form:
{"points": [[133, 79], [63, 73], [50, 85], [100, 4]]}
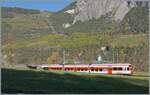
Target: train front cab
{"points": [[122, 70]]}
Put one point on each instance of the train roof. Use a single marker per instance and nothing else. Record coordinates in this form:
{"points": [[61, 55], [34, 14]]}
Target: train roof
{"points": [[114, 64], [86, 65]]}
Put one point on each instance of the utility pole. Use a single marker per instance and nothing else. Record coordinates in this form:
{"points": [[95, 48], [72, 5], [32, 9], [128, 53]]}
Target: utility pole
{"points": [[64, 58], [117, 56]]}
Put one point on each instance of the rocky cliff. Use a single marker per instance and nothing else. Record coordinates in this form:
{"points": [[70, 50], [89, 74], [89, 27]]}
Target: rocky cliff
{"points": [[116, 9]]}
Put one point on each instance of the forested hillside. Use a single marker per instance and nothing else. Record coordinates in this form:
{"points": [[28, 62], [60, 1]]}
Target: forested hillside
{"points": [[136, 20]]}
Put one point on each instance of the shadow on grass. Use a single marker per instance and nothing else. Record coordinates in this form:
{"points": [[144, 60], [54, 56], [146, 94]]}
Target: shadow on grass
{"points": [[41, 82]]}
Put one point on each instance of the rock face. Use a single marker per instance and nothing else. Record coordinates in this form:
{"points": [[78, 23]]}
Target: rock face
{"points": [[117, 9], [70, 11]]}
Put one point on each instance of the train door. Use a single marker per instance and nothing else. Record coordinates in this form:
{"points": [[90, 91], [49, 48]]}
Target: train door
{"points": [[109, 70]]}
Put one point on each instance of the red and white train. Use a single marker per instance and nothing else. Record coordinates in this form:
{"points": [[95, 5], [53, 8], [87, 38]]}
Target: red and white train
{"points": [[124, 68]]}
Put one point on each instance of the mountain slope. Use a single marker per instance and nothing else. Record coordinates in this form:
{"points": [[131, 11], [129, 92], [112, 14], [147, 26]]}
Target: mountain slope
{"points": [[89, 16], [117, 9], [10, 12], [30, 36], [22, 24], [136, 20]]}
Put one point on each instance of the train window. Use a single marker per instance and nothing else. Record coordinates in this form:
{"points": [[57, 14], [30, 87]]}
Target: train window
{"points": [[86, 69], [100, 70], [96, 69], [92, 69], [115, 68], [128, 68], [119, 68]]}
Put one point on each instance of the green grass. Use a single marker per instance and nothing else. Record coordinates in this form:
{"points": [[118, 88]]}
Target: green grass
{"points": [[32, 81]]}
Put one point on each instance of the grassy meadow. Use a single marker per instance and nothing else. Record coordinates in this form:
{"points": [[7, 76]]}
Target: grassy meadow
{"points": [[54, 82]]}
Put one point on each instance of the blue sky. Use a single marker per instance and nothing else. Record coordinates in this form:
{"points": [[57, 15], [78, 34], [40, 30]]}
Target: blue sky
{"points": [[50, 5]]}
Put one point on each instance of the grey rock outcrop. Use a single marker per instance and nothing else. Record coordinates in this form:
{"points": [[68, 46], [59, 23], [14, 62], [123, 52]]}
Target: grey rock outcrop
{"points": [[117, 9]]}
